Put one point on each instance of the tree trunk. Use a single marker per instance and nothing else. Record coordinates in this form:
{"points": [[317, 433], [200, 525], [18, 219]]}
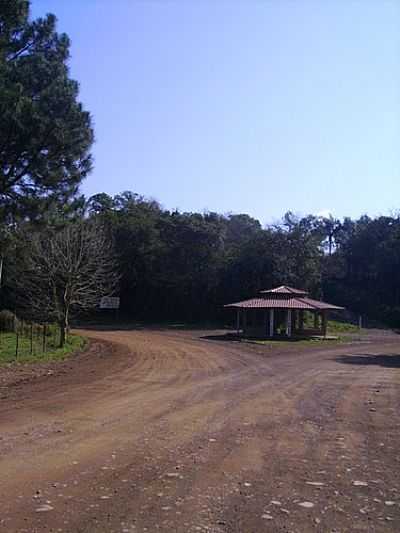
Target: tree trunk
{"points": [[64, 326], [62, 333]]}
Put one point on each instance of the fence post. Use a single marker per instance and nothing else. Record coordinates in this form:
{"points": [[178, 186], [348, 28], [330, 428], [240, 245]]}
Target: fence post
{"points": [[16, 344], [31, 338], [44, 338]]}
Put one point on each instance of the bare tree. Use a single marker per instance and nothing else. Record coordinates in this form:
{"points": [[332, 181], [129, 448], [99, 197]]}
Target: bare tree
{"points": [[65, 273]]}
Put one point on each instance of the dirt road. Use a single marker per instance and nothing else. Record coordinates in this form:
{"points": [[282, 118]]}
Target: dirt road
{"points": [[171, 431]]}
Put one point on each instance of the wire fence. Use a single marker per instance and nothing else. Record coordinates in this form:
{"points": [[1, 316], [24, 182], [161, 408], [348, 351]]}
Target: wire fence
{"points": [[21, 338]]}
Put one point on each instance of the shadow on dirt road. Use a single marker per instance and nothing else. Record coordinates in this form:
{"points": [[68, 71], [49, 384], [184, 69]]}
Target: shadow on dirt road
{"points": [[387, 360]]}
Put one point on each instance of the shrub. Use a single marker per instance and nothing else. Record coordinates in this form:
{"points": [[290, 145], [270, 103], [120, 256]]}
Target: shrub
{"points": [[8, 320]]}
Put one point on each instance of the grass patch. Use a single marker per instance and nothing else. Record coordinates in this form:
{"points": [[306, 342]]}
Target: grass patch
{"points": [[335, 327], [8, 354], [293, 342]]}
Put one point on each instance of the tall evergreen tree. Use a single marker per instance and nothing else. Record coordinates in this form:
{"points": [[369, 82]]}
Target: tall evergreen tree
{"points": [[45, 133]]}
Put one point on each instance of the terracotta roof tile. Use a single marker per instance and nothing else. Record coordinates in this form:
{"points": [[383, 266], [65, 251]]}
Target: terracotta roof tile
{"points": [[284, 289], [288, 303]]}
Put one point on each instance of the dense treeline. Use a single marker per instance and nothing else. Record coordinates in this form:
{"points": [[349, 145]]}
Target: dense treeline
{"points": [[186, 266]]}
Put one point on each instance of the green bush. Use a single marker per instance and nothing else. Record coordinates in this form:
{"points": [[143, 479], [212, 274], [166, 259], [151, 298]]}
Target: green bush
{"points": [[8, 320]]}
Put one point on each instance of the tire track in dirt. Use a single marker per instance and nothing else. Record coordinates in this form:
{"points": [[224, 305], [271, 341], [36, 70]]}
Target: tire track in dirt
{"points": [[184, 434]]}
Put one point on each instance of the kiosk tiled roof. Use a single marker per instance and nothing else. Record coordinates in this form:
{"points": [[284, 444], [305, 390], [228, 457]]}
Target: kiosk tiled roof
{"points": [[284, 298], [284, 289]]}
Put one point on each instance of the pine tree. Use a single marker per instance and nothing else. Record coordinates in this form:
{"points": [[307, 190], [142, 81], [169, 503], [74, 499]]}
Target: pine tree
{"points": [[46, 134]]}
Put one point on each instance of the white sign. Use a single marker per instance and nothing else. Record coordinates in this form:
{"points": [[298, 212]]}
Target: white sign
{"points": [[109, 302]]}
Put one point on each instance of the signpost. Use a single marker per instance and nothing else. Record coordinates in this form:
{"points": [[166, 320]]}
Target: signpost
{"points": [[110, 302]]}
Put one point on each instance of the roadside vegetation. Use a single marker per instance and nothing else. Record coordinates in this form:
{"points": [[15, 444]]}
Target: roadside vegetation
{"points": [[336, 327], [29, 352], [337, 332]]}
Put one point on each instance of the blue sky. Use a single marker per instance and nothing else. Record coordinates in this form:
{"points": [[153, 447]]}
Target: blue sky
{"points": [[241, 106]]}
